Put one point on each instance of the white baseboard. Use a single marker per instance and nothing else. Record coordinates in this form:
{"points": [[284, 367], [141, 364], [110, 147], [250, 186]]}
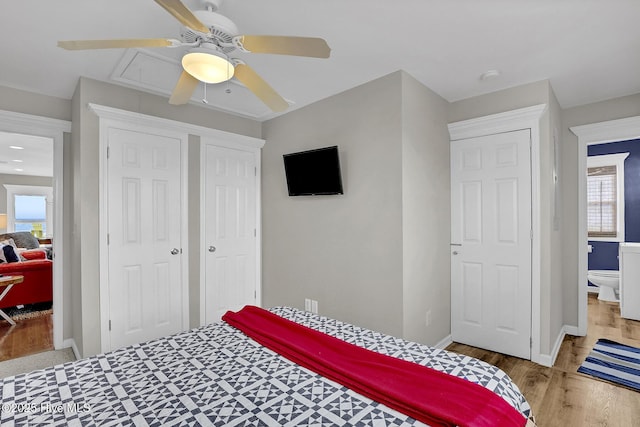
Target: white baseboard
{"points": [[550, 359], [70, 342], [571, 330], [444, 343]]}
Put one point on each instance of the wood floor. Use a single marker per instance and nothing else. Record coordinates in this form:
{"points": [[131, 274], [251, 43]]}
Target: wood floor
{"points": [[560, 396], [28, 336]]}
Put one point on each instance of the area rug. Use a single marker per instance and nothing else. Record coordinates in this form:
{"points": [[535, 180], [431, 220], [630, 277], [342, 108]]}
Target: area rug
{"points": [[614, 362], [35, 361], [29, 311]]}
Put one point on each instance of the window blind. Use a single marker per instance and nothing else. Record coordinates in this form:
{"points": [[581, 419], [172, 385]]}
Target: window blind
{"points": [[602, 201]]}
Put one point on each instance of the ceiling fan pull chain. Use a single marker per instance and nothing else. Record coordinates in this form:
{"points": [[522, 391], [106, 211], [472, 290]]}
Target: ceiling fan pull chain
{"points": [[228, 89], [204, 100]]}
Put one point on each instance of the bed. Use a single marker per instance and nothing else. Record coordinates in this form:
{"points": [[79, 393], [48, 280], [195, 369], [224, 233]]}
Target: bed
{"points": [[216, 375]]}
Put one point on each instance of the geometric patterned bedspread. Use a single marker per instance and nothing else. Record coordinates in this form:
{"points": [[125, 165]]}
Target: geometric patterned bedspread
{"points": [[215, 375]]}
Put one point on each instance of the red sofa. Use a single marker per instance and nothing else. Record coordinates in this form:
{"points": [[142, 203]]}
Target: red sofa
{"points": [[38, 280]]}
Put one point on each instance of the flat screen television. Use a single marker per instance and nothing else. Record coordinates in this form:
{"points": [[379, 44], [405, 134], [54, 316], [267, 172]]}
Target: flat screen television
{"points": [[313, 172]]}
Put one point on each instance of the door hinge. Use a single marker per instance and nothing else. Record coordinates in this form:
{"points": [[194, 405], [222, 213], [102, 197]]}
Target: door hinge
{"points": [[255, 171], [531, 234], [530, 342], [255, 233], [109, 324], [108, 238], [108, 152]]}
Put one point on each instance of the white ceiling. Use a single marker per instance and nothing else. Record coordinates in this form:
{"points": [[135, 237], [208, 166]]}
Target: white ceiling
{"points": [[588, 49], [34, 157]]}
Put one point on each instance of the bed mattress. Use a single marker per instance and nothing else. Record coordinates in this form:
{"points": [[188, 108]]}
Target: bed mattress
{"points": [[215, 375]]}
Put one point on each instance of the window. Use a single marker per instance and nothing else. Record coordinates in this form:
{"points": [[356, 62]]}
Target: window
{"points": [[30, 214], [602, 201], [29, 208], [605, 197]]}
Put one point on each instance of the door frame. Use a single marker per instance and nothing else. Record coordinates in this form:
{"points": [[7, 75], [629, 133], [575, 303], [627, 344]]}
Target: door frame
{"points": [[28, 124], [116, 118], [252, 146], [523, 118], [596, 133]]}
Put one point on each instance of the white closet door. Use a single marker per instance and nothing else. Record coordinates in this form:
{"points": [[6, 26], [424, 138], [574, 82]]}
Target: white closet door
{"points": [[144, 225], [491, 242], [230, 230]]}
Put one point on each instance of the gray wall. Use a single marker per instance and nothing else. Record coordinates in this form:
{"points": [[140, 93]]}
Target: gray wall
{"points": [[194, 230], [67, 238], [344, 251], [86, 163], [556, 232], [499, 102], [76, 244], [20, 101], [619, 108], [376, 256], [425, 213]]}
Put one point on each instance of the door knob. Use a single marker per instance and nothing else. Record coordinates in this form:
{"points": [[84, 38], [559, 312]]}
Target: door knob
{"points": [[455, 252], [175, 251], [212, 248]]}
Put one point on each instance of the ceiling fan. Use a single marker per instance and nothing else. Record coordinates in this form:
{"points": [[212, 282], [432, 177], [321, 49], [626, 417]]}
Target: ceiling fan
{"points": [[211, 38]]}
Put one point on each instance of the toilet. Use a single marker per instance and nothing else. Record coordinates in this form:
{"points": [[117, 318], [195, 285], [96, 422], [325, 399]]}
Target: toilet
{"points": [[608, 282]]}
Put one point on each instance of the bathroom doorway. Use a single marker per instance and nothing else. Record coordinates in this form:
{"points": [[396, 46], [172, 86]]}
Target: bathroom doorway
{"points": [[611, 189], [627, 129]]}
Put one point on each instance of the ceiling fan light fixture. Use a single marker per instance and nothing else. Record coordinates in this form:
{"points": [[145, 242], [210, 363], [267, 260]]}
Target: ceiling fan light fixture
{"points": [[207, 66]]}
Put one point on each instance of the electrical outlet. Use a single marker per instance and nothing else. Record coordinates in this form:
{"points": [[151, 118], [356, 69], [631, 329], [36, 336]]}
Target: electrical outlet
{"points": [[307, 304], [314, 306], [428, 318]]}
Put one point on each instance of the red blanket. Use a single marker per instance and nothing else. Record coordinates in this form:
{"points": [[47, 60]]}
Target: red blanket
{"points": [[430, 396]]}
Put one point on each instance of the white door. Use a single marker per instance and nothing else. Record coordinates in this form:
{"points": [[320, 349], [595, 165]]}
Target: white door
{"points": [[144, 226], [491, 242], [229, 230]]}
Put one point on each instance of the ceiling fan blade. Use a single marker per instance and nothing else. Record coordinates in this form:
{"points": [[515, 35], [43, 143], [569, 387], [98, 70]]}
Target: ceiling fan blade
{"points": [[184, 89], [109, 44], [183, 14], [284, 45], [260, 88]]}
